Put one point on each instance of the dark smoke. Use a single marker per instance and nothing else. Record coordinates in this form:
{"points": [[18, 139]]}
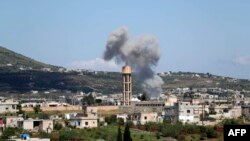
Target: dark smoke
{"points": [[142, 53]]}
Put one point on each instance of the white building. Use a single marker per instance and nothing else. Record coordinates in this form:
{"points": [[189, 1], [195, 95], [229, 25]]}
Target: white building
{"points": [[87, 119], [144, 117], [189, 113], [36, 125], [171, 100], [8, 106], [122, 116], [12, 121]]}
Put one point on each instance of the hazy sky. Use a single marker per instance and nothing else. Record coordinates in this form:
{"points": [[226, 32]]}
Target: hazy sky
{"points": [[194, 35]]}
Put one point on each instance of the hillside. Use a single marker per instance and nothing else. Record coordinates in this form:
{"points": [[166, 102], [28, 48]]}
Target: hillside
{"points": [[106, 82], [16, 80], [11, 58], [20, 74], [202, 80]]}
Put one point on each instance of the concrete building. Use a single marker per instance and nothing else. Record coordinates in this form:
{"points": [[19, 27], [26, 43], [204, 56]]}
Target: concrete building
{"points": [[45, 104], [8, 106], [69, 115], [227, 112], [190, 113], [143, 118], [12, 121], [87, 119], [36, 125], [171, 113], [246, 111], [171, 100], [122, 116], [127, 85], [147, 106]]}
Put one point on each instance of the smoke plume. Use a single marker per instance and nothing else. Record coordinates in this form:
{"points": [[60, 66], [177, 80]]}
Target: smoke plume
{"points": [[141, 53]]}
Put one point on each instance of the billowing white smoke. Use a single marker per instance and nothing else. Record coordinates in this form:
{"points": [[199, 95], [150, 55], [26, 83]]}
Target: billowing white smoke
{"points": [[142, 53]]}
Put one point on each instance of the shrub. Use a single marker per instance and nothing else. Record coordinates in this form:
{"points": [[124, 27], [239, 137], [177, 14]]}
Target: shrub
{"points": [[111, 120], [58, 126], [181, 138], [203, 136], [120, 121], [142, 136], [43, 116], [211, 133], [157, 135], [8, 132], [231, 122], [43, 134]]}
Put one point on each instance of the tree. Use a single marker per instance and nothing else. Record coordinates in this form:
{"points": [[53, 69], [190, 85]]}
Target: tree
{"points": [[111, 119], [211, 133], [126, 134], [89, 100], [157, 135], [37, 109], [19, 107], [98, 101], [58, 126], [120, 121], [119, 134], [43, 116], [8, 132]]}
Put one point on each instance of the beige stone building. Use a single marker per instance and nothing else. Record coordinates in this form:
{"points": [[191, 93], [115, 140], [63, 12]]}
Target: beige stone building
{"points": [[36, 125], [12, 121], [8, 106], [87, 119], [144, 117]]}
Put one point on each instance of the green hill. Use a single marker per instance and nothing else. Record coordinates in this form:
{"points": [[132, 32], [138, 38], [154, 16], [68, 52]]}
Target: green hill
{"points": [[16, 80], [16, 60]]}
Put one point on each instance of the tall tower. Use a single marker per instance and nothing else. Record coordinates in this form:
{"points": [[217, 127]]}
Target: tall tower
{"points": [[127, 84]]}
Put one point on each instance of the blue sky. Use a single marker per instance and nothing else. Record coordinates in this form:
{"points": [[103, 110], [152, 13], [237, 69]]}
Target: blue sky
{"points": [[199, 36]]}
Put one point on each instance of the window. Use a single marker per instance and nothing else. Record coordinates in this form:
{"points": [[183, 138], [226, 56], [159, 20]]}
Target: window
{"points": [[188, 111], [196, 111], [145, 118], [86, 123]]}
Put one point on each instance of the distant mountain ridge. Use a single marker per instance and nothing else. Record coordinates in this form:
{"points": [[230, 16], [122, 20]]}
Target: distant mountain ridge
{"points": [[11, 58]]}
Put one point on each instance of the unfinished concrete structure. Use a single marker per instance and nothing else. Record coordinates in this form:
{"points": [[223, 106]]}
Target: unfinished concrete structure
{"points": [[36, 125], [12, 121], [87, 119], [127, 85], [144, 117], [8, 106]]}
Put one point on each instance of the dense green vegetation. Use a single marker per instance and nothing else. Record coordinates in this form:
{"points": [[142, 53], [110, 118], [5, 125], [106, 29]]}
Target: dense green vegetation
{"points": [[26, 81], [14, 80], [148, 132]]}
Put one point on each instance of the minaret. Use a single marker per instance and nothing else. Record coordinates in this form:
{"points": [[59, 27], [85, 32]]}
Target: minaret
{"points": [[127, 84]]}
